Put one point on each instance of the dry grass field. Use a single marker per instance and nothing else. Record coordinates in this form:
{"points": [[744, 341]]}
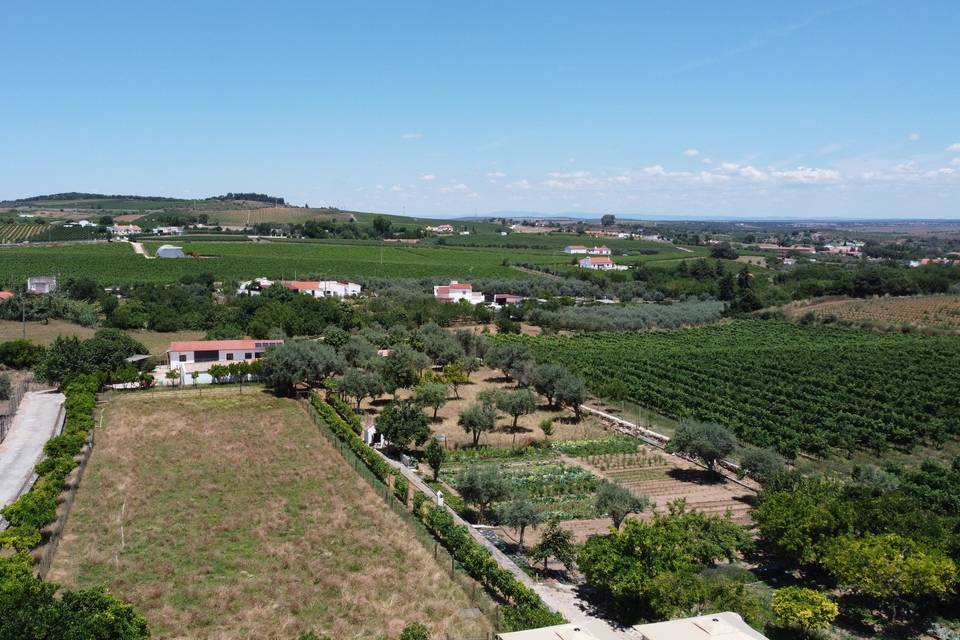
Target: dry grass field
{"points": [[155, 342], [922, 311], [230, 516], [272, 214]]}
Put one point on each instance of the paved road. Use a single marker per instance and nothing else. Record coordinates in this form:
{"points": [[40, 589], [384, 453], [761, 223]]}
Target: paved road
{"points": [[36, 421]]}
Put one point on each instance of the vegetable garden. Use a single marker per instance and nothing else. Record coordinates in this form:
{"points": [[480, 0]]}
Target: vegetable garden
{"points": [[777, 384]]}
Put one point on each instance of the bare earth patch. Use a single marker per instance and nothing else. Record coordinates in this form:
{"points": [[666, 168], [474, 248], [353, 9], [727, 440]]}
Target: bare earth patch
{"points": [[230, 516]]}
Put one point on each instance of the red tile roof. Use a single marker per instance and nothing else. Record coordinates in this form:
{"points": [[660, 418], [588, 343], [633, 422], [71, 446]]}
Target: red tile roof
{"points": [[6, 295], [300, 285], [222, 345], [602, 260]]}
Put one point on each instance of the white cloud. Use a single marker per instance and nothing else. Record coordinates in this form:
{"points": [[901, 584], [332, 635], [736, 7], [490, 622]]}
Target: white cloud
{"points": [[913, 137], [691, 153], [411, 136], [954, 148], [496, 174], [455, 188], [427, 177], [955, 162]]}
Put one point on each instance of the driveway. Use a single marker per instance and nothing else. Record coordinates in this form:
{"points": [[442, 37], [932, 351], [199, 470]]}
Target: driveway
{"points": [[37, 420]]}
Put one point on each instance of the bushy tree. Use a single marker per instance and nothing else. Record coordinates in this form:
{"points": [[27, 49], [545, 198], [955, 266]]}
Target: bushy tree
{"points": [[895, 570], [414, 631], [481, 485], [435, 456], [805, 609], [360, 384], [403, 423], [516, 403], [455, 375], [478, 419], [571, 391], [400, 369], [507, 356], [300, 361], [520, 514], [618, 502], [762, 464], [556, 542], [546, 376], [431, 393], [708, 441]]}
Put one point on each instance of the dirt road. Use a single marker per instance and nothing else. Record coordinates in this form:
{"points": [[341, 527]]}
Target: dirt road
{"points": [[38, 419]]}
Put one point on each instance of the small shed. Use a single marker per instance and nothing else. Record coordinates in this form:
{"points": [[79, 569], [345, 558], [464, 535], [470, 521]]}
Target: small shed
{"points": [[170, 251]]}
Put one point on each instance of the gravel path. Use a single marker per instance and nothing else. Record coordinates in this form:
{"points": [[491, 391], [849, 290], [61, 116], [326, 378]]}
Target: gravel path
{"points": [[38, 418]]}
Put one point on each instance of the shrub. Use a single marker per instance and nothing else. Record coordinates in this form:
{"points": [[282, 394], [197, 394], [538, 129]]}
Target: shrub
{"points": [[803, 608]]}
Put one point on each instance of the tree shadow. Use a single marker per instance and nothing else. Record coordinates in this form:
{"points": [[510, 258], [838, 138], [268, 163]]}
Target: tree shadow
{"points": [[696, 476]]}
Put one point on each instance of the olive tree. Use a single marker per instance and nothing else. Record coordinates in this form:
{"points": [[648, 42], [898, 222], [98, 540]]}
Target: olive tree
{"points": [[478, 419]]}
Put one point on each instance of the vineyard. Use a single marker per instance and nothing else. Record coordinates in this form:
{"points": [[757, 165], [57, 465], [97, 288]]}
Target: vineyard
{"points": [[922, 311], [18, 232], [812, 389]]}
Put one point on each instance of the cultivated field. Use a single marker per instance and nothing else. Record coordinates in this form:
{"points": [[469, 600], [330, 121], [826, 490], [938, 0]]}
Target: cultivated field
{"points": [[921, 311], [230, 516]]}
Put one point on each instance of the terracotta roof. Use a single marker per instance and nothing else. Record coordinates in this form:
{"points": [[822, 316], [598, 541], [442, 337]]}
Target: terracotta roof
{"points": [[221, 345], [6, 295], [302, 284], [460, 285], [602, 260]]}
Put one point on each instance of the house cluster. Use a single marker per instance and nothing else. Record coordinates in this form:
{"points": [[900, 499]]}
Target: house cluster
{"points": [[941, 261], [314, 288], [441, 228], [579, 249], [601, 263], [124, 230], [83, 224], [168, 231], [845, 248], [457, 291], [785, 250]]}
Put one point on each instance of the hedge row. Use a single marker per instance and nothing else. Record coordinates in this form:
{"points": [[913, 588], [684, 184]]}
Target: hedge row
{"points": [[346, 434], [346, 412], [38, 507], [524, 609]]}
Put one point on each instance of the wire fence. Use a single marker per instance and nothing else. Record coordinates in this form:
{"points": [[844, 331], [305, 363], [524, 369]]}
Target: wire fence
{"points": [[479, 597], [17, 391]]}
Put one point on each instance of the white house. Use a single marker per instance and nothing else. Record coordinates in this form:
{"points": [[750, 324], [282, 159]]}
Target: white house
{"points": [[41, 284], [575, 249], [253, 287], [209, 352], [601, 263], [324, 288], [441, 228], [599, 251], [555, 632], [457, 291], [168, 231], [125, 230]]}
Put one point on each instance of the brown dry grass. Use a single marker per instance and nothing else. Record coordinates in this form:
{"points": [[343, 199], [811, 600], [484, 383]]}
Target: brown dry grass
{"points": [[528, 430], [230, 516], [941, 311], [155, 342]]}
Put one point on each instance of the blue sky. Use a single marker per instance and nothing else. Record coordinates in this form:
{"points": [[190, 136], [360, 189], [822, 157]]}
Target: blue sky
{"points": [[648, 108]]}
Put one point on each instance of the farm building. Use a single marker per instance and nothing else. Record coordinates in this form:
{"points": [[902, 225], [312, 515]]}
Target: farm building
{"points": [[41, 284], [457, 291], [441, 228], [217, 351], [125, 230], [507, 298], [170, 251], [324, 288], [168, 231], [601, 263], [253, 287], [575, 249], [718, 626], [599, 251], [782, 250]]}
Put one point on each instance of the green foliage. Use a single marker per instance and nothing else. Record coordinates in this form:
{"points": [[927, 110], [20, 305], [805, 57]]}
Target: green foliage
{"points": [[804, 609], [618, 502], [547, 427], [346, 434], [571, 391], [627, 563], [891, 568], [294, 362], [360, 384], [431, 394], [556, 542], [435, 456], [481, 485], [402, 424], [762, 464], [708, 441], [478, 419], [401, 488], [519, 514], [516, 403], [414, 631], [455, 375], [104, 353], [20, 354]]}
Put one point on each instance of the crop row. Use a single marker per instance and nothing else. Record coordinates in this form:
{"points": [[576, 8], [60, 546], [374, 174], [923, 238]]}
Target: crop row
{"points": [[778, 384]]}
